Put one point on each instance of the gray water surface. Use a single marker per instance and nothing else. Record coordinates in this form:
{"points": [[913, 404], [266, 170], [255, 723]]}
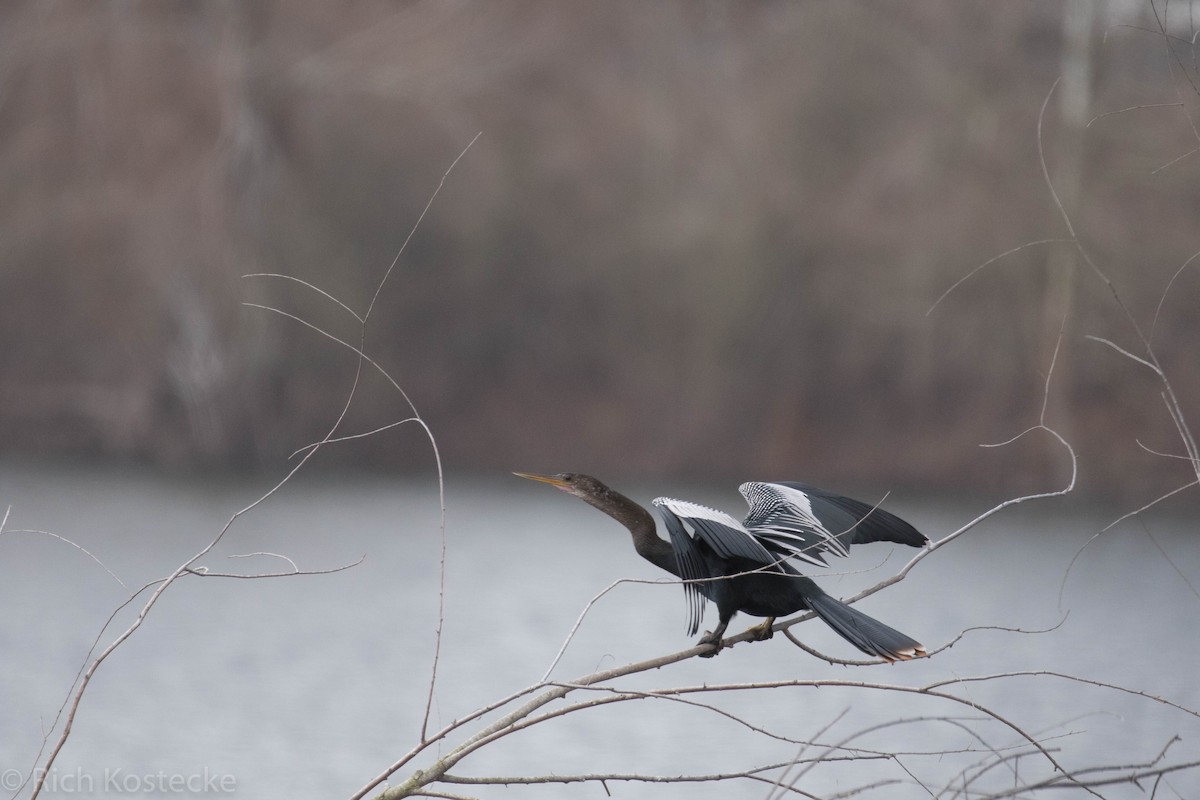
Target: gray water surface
{"points": [[310, 686]]}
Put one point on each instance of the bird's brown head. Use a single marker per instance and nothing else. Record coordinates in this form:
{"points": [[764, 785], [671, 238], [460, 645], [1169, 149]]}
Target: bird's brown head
{"points": [[612, 503], [583, 486], [587, 489]]}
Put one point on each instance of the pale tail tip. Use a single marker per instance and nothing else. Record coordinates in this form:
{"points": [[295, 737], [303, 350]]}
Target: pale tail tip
{"points": [[907, 654]]}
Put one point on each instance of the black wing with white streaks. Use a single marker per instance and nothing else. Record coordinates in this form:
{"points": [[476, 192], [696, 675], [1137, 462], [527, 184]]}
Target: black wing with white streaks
{"points": [[727, 537], [802, 520]]}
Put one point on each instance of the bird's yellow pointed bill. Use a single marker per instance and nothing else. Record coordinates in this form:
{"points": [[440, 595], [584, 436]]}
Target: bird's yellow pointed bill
{"points": [[550, 479]]}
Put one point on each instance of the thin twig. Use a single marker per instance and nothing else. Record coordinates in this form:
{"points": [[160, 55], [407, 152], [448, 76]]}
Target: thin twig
{"points": [[989, 262], [313, 287], [1182, 575], [1175, 160], [1163, 298], [77, 697], [1064, 676], [268, 555], [416, 416], [64, 539], [352, 436], [188, 567], [204, 572], [1131, 108], [1071, 564]]}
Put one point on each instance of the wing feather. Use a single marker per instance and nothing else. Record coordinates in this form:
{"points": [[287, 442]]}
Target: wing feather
{"points": [[784, 516], [861, 522], [723, 534], [691, 567], [800, 517]]}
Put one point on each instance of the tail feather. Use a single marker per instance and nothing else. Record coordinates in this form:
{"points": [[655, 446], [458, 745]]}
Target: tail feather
{"points": [[867, 634]]}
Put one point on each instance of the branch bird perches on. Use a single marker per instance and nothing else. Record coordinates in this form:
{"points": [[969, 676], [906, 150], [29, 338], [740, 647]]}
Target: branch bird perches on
{"points": [[746, 566]]}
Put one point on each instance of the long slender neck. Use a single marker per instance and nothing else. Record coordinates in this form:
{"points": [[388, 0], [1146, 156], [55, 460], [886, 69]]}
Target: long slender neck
{"points": [[641, 526]]}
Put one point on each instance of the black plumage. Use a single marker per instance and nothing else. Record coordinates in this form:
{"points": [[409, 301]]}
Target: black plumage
{"points": [[746, 566]]}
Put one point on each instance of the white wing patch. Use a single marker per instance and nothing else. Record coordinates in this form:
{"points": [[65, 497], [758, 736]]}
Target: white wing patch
{"points": [[690, 510], [785, 516], [725, 535], [801, 506]]}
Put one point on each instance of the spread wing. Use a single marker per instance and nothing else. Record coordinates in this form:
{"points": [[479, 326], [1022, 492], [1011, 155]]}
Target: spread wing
{"points": [[806, 522], [727, 537]]}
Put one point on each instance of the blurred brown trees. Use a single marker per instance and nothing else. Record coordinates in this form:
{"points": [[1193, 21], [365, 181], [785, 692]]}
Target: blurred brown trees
{"points": [[696, 239]]}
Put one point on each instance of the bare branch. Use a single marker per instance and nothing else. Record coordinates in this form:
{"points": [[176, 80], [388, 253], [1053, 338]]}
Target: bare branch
{"points": [[1148, 449], [204, 572], [69, 701], [579, 621], [1163, 297], [316, 289], [753, 773], [269, 555], [64, 539], [1071, 564], [352, 436], [929, 654], [1182, 575], [524, 717], [1063, 676], [77, 697], [1131, 108], [362, 356], [188, 567], [1126, 353], [989, 262]]}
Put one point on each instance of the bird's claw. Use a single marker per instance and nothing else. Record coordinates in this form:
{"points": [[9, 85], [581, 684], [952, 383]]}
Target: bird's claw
{"points": [[762, 631], [710, 638]]}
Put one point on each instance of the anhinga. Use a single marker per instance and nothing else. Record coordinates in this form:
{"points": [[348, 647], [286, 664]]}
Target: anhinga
{"points": [[745, 566]]}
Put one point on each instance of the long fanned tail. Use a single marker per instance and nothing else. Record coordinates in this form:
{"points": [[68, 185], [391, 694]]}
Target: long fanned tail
{"points": [[866, 633]]}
